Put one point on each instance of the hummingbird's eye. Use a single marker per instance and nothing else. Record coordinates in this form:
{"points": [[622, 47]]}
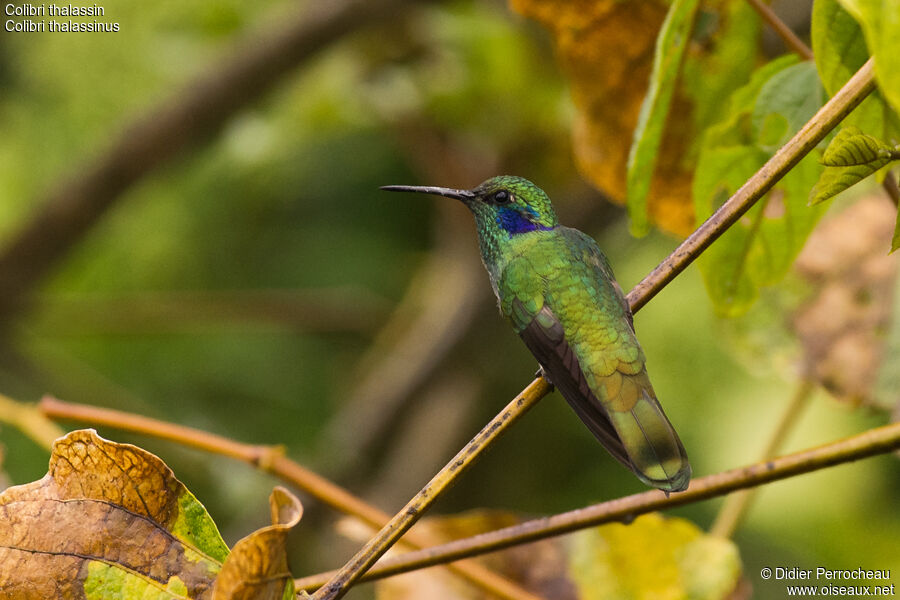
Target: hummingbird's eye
{"points": [[501, 197]]}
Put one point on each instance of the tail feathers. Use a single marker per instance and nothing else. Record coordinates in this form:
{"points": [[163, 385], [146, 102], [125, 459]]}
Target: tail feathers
{"points": [[641, 438], [656, 454], [621, 410]]}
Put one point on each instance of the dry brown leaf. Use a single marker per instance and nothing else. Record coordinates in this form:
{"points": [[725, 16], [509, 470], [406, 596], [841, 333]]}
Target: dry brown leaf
{"points": [[111, 520], [101, 504], [257, 566], [842, 325], [606, 48]]}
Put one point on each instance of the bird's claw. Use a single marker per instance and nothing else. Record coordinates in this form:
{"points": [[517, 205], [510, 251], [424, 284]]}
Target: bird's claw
{"points": [[541, 372]]}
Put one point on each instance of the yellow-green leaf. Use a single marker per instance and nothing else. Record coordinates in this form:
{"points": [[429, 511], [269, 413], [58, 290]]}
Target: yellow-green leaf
{"points": [[653, 557], [853, 147], [850, 157], [670, 45]]}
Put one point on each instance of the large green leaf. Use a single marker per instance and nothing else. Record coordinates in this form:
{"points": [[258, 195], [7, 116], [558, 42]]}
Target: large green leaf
{"points": [[710, 78], [758, 250], [670, 45], [880, 20], [840, 50], [785, 103]]}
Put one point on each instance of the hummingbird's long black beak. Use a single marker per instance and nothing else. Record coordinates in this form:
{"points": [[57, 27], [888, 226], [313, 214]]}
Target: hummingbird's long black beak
{"points": [[463, 195]]}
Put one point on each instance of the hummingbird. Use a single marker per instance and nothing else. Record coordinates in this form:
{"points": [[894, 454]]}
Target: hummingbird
{"points": [[557, 289]]}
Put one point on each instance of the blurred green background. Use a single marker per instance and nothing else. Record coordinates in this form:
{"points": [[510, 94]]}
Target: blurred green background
{"points": [[263, 288]]}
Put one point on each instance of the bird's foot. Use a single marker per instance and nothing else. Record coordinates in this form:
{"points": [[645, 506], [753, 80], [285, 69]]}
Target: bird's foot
{"points": [[542, 372]]}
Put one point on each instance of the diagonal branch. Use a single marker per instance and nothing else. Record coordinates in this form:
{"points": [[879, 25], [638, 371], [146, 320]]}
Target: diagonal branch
{"points": [[876, 441], [849, 96], [786, 34], [440, 483], [194, 115]]}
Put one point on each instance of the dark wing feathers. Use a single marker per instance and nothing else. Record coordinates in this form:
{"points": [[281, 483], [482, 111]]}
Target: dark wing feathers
{"points": [[556, 356]]}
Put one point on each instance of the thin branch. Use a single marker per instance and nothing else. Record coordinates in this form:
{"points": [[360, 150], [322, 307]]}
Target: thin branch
{"points": [[29, 421], [193, 115], [787, 35], [876, 441], [736, 505], [848, 97], [272, 460], [414, 509]]}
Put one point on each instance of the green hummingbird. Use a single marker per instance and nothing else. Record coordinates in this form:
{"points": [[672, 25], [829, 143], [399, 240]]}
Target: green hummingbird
{"points": [[557, 289]]}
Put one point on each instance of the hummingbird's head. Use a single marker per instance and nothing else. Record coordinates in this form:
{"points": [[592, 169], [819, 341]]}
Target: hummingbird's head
{"points": [[503, 204]]}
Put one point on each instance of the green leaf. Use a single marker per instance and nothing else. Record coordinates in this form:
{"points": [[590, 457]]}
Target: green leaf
{"points": [[850, 157], [840, 50], [670, 45], [709, 78], [880, 21], [835, 180], [785, 103], [757, 250], [853, 147]]}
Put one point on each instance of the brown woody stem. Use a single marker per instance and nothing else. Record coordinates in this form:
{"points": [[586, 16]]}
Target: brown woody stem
{"points": [[876, 441], [786, 34], [403, 520]]}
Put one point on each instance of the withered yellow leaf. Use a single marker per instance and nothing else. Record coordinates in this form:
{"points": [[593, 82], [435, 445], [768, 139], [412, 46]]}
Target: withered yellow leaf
{"points": [[653, 557], [606, 48]]}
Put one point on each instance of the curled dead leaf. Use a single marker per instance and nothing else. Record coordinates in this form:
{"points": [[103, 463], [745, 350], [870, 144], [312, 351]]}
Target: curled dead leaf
{"points": [[111, 520], [257, 566]]}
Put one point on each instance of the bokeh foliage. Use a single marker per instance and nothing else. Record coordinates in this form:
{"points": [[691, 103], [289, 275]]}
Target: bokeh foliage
{"points": [[285, 201]]}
